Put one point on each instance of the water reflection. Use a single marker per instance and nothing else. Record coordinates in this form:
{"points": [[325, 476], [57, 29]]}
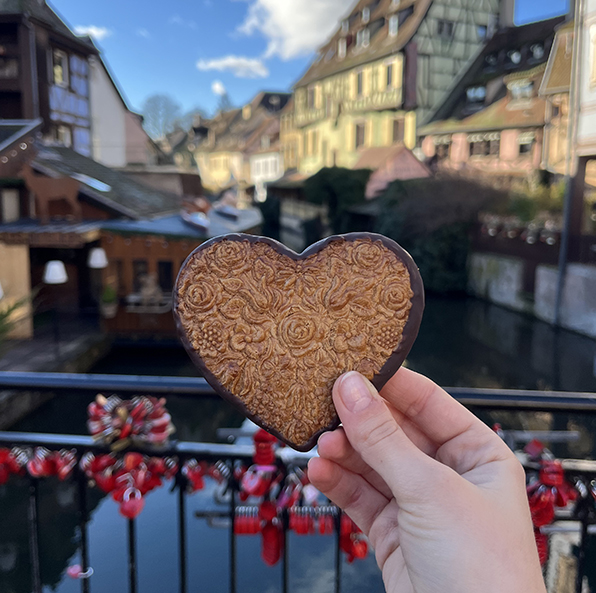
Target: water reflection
{"points": [[471, 343]]}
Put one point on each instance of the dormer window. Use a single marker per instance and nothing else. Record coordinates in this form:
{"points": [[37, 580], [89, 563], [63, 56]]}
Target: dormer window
{"points": [[491, 61], [476, 94], [537, 51], [366, 14], [521, 89], [345, 26], [514, 57], [393, 25], [341, 49], [246, 112], [363, 38]]}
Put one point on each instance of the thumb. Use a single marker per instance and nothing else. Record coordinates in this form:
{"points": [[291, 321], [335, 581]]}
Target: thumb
{"points": [[377, 437]]}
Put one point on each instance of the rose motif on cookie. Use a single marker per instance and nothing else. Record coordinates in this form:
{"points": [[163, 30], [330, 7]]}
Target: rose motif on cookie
{"points": [[272, 330]]}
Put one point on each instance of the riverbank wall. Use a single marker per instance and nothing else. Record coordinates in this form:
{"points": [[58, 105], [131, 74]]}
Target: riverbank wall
{"points": [[503, 280]]}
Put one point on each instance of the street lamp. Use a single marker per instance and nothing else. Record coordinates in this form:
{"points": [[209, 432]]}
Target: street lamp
{"points": [[97, 259], [54, 273]]}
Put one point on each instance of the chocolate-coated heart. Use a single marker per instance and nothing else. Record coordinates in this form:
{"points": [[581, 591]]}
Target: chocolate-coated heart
{"points": [[272, 330]]}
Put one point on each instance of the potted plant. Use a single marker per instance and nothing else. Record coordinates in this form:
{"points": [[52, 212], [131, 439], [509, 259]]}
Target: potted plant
{"points": [[109, 302]]}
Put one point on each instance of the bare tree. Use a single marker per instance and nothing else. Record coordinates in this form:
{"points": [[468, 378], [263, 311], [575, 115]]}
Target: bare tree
{"points": [[160, 113], [224, 103]]}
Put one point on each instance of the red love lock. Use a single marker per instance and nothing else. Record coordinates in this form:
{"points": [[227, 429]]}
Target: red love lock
{"points": [[132, 503], [267, 511], [256, 481], [271, 544], [40, 465]]}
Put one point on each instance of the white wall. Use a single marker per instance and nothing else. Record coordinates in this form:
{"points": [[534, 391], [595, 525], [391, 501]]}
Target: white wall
{"points": [[586, 137], [108, 119]]}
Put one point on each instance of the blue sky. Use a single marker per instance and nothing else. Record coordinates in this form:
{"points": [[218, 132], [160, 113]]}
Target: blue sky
{"points": [[193, 49]]}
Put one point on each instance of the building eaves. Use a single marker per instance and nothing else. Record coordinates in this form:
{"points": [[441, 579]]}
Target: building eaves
{"points": [[381, 45]]}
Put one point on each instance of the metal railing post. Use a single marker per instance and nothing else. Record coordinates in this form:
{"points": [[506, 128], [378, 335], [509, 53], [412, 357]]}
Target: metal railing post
{"points": [[132, 557], [33, 521], [83, 520]]}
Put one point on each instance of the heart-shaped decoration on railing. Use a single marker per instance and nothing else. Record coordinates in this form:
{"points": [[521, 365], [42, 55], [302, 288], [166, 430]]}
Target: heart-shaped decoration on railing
{"points": [[271, 330]]}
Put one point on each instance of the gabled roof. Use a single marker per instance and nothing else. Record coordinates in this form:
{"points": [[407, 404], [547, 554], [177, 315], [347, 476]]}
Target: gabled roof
{"points": [[492, 65], [108, 188], [40, 11], [229, 131], [557, 78], [381, 44]]}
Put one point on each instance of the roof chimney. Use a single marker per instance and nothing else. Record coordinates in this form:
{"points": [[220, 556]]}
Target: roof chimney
{"points": [[507, 14]]}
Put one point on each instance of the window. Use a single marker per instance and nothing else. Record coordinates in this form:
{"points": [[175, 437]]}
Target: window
{"points": [[139, 270], [526, 142], [521, 89], [393, 25], [481, 148], [537, 51], [11, 210], [363, 38], [60, 68], [360, 135], [366, 14], [491, 61], [398, 130], [310, 101], [64, 136], [341, 49], [165, 274], [476, 94], [345, 26], [359, 84], [389, 76], [445, 29], [482, 32], [513, 58], [495, 147], [9, 68], [556, 111]]}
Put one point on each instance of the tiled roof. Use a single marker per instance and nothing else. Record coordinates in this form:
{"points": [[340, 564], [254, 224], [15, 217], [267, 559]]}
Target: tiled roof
{"points": [[381, 44], [39, 10], [116, 191], [493, 65], [234, 133], [174, 226]]}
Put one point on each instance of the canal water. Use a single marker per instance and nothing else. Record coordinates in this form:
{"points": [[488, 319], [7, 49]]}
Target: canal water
{"points": [[462, 342]]}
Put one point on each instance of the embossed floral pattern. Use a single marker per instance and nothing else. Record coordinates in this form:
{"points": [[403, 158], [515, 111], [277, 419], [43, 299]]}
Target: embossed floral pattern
{"points": [[276, 332]]}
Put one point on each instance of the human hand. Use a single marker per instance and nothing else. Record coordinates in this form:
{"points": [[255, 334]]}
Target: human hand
{"points": [[440, 496]]}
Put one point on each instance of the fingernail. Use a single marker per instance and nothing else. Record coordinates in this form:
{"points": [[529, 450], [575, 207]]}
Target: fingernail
{"points": [[355, 392]]}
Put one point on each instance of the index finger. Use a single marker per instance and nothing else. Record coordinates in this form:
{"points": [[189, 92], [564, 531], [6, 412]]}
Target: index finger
{"points": [[440, 417]]}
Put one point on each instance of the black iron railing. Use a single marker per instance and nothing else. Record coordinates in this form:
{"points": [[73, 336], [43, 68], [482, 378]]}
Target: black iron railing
{"points": [[230, 456]]}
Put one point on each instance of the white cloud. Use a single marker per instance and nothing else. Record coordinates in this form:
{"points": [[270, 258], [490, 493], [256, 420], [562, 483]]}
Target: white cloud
{"points": [[144, 33], [218, 88], [293, 27], [176, 19], [94, 31], [240, 66]]}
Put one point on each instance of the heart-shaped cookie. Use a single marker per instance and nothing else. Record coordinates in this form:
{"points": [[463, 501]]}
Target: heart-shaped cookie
{"points": [[272, 330]]}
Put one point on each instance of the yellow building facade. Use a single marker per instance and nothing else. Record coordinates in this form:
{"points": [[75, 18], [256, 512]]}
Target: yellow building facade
{"points": [[380, 74]]}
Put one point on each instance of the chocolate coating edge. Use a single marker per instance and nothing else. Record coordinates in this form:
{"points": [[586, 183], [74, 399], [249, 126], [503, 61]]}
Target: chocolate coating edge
{"points": [[390, 367]]}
